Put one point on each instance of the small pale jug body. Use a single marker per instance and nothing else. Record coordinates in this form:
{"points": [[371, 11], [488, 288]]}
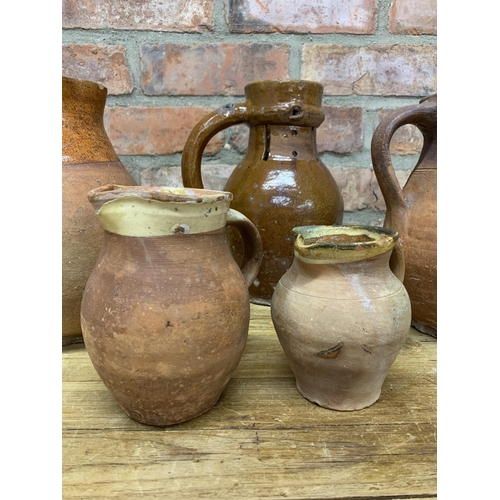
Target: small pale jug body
{"points": [[88, 161], [412, 211], [165, 312], [281, 182], [341, 315]]}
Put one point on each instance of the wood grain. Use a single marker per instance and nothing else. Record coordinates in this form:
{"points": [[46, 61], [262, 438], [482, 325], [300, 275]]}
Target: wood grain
{"points": [[261, 440]]}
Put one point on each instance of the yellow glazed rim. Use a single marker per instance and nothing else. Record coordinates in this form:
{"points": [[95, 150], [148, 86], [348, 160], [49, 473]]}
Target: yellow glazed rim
{"points": [[147, 211], [337, 244]]}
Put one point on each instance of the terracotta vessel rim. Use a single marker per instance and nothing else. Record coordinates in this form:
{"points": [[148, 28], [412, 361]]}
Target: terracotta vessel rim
{"points": [[277, 82], [346, 243], [87, 83], [168, 194]]}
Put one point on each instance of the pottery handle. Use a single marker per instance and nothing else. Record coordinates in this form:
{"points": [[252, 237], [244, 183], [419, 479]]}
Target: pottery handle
{"points": [[204, 130], [252, 244]]}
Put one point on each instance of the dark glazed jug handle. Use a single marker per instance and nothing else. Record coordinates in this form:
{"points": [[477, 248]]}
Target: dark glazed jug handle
{"points": [[421, 115], [205, 129], [252, 244]]}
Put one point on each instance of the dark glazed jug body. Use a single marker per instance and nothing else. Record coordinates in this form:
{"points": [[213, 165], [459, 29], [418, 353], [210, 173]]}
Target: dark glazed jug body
{"points": [[412, 211], [88, 161], [281, 183]]}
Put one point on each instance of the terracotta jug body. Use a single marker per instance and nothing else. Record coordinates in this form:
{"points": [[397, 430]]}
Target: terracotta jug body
{"points": [[88, 161], [281, 182], [412, 211], [165, 312], [340, 313]]}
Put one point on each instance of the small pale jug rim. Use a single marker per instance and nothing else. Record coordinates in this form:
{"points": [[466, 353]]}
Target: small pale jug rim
{"points": [[345, 243]]}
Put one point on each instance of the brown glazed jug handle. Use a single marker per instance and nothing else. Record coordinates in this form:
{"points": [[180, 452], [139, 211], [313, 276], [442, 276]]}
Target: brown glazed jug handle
{"points": [[252, 244], [205, 129], [397, 210]]}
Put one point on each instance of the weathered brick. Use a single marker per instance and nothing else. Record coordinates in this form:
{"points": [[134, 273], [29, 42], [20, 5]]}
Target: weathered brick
{"points": [[374, 70], [413, 17], [155, 130], [407, 140], [302, 16], [342, 130], [360, 188], [211, 69], [214, 176], [153, 15], [105, 64]]}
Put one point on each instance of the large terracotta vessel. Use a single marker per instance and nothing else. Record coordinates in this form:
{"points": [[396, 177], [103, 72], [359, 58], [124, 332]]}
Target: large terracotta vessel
{"points": [[165, 312], [412, 211], [88, 161], [340, 313], [281, 182]]}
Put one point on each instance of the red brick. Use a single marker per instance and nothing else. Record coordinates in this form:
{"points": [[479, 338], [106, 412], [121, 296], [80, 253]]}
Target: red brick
{"points": [[303, 16], [342, 130], [413, 17], [152, 15], [360, 188], [212, 69], [155, 130], [407, 140], [214, 176], [104, 64], [374, 70]]}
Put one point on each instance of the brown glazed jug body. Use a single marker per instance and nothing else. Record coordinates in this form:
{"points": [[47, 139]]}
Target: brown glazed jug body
{"points": [[281, 182], [88, 161], [341, 315], [412, 211], [165, 312]]}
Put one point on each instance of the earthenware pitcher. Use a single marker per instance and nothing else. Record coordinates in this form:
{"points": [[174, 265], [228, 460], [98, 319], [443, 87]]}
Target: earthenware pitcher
{"points": [[88, 161], [340, 313], [165, 312], [281, 182], [412, 211]]}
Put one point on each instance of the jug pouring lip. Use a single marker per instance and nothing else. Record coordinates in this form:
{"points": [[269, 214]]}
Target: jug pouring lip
{"points": [[109, 192], [338, 244]]}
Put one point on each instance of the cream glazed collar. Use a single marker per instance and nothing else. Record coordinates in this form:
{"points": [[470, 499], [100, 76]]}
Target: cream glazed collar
{"points": [[148, 211], [341, 244]]}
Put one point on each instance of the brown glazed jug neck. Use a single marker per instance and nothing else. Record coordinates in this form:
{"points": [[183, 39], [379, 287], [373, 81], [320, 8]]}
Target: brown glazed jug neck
{"points": [[84, 138], [281, 143]]}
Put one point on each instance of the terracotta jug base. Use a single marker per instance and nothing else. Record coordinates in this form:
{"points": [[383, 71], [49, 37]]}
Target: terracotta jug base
{"points": [[71, 341], [163, 422], [340, 406], [423, 328]]}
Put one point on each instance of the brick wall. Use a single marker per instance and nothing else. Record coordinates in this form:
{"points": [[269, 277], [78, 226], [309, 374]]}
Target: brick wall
{"points": [[166, 64]]}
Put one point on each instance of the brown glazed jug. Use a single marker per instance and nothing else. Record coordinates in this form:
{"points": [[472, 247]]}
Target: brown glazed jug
{"points": [[281, 182], [88, 161], [340, 313], [165, 312], [412, 211]]}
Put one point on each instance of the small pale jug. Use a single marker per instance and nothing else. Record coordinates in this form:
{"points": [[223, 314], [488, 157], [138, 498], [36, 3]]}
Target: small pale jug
{"points": [[165, 312], [340, 313], [412, 211], [281, 182]]}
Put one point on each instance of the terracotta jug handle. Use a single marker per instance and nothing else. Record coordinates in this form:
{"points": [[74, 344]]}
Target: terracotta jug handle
{"points": [[252, 244], [397, 210], [205, 129]]}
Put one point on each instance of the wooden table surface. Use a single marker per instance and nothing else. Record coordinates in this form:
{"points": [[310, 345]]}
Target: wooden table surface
{"points": [[261, 440]]}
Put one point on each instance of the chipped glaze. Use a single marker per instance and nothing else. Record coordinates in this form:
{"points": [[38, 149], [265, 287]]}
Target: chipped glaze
{"points": [[340, 314]]}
